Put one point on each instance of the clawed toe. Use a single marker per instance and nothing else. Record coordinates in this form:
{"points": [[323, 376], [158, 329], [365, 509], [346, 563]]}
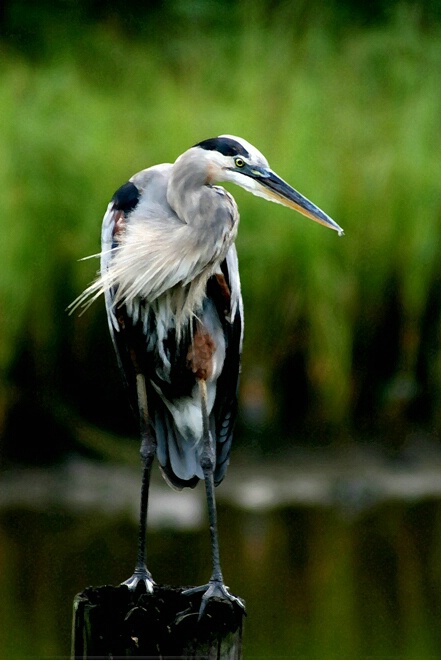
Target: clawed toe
{"points": [[215, 590], [140, 575]]}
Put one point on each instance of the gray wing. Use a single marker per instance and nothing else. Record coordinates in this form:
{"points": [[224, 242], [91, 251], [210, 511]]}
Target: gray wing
{"points": [[225, 407]]}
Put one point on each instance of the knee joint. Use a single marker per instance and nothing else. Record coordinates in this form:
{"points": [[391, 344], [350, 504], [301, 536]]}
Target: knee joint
{"points": [[208, 459], [148, 448]]}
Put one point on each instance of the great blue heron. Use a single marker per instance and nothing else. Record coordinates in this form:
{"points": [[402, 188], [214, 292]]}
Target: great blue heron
{"points": [[170, 278]]}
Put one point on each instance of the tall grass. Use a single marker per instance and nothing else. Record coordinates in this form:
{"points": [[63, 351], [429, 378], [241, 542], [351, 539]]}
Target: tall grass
{"points": [[352, 122]]}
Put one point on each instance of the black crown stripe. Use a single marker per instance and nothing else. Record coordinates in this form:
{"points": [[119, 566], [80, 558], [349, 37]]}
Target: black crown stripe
{"points": [[225, 146]]}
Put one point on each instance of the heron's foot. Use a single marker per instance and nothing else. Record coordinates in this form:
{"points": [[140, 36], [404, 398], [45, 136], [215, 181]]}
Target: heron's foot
{"points": [[140, 575], [215, 589]]}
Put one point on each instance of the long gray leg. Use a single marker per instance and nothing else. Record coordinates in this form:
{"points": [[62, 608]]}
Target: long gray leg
{"points": [[216, 587], [148, 451]]}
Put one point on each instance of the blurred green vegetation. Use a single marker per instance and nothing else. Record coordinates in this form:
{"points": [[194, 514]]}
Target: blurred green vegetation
{"points": [[347, 112]]}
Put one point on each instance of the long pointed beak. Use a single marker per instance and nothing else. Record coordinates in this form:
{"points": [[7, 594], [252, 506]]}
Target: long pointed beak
{"points": [[277, 190]]}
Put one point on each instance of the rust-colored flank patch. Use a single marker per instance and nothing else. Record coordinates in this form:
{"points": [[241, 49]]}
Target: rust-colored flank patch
{"points": [[200, 354]]}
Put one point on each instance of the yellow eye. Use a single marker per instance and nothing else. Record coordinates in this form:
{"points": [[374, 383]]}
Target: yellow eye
{"points": [[239, 162]]}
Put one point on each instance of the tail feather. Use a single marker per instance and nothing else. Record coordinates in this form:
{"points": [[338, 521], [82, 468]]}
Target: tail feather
{"points": [[178, 457]]}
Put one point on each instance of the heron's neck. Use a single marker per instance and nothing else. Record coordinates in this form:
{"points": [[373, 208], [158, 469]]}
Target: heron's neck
{"points": [[189, 192]]}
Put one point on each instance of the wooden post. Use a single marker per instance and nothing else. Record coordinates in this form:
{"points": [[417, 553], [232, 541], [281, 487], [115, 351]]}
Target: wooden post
{"points": [[114, 622]]}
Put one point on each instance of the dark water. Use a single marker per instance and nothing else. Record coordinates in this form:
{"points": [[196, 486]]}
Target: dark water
{"points": [[320, 580]]}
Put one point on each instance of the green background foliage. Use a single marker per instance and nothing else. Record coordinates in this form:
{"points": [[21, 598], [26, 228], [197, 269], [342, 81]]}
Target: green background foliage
{"points": [[347, 113]]}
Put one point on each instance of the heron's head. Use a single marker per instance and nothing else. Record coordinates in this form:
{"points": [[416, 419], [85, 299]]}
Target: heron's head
{"points": [[230, 158]]}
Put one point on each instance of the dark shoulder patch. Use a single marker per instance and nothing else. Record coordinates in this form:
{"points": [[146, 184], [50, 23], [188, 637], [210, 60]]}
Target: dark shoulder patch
{"points": [[126, 197], [226, 146]]}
